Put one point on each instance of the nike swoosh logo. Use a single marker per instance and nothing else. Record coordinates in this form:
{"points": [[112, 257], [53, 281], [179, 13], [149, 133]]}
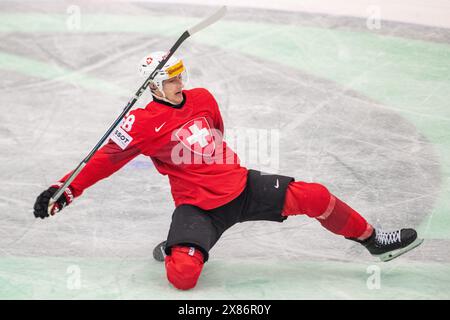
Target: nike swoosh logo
{"points": [[157, 129], [277, 184]]}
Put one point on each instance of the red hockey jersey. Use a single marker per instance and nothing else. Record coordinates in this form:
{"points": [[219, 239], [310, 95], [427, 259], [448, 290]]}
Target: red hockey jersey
{"points": [[184, 143]]}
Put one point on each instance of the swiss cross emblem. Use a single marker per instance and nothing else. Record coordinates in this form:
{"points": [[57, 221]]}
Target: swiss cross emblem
{"points": [[196, 135]]}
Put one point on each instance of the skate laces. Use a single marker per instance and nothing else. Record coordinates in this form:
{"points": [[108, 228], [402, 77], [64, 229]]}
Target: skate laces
{"points": [[387, 237]]}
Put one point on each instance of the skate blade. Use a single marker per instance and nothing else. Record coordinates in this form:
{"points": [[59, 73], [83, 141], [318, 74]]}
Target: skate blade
{"points": [[388, 256]]}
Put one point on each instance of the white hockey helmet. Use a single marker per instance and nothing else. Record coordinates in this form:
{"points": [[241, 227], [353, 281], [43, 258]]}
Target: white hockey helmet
{"points": [[172, 68]]}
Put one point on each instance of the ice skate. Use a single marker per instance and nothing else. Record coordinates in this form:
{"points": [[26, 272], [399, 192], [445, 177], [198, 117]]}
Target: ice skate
{"points": [[158, 252], [389, 245]]}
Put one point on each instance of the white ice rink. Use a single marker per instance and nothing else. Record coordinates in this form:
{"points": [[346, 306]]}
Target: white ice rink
{"points": [[357, 101]]}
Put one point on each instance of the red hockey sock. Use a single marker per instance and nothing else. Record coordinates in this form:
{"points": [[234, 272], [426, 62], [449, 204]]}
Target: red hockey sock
{"points": [[316, 201]]}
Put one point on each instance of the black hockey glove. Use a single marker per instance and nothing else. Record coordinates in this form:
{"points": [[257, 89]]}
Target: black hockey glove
{"points": [[41, 209]]}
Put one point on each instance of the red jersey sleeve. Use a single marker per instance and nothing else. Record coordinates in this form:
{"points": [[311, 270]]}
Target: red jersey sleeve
{"points": [[126, 142], [218, 117]]}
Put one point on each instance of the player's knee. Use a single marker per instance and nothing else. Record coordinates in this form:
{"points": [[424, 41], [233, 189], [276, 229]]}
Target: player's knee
{"points": [[318, 199], [183, 267]]}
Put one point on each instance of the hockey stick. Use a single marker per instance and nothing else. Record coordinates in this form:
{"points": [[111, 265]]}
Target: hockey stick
{"points": [[200, 26]]}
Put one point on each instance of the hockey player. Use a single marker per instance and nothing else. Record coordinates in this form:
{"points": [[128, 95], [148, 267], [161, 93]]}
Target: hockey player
{"points": [[181, 131]]}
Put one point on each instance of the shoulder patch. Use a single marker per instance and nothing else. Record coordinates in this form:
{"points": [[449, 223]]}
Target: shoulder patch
{"points": [[121, 137]]}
